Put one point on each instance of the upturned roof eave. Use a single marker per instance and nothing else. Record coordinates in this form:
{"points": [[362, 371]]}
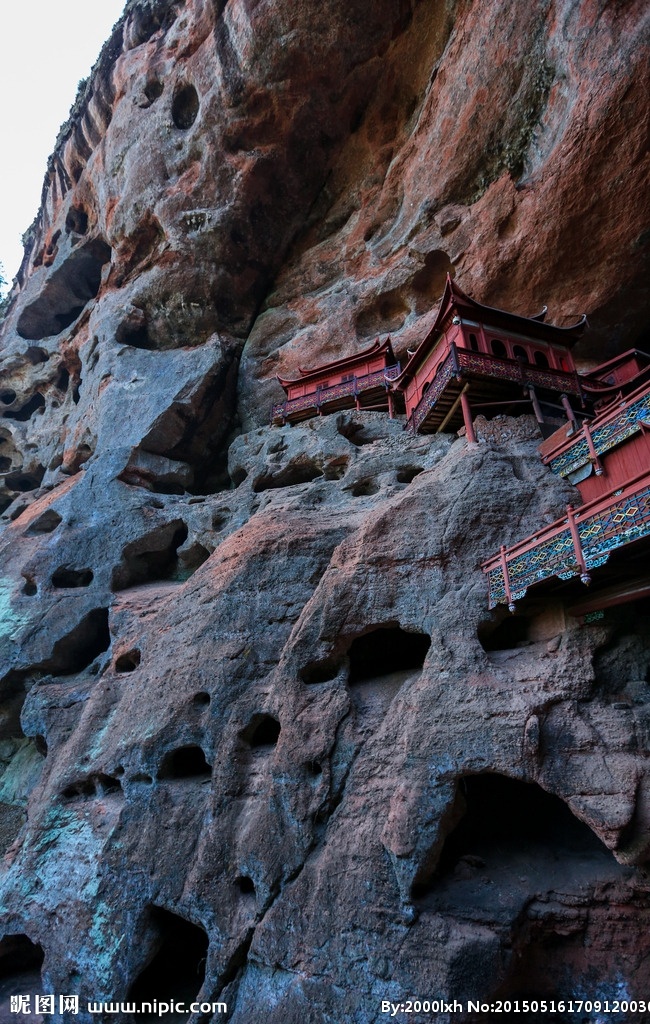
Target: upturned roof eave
{"points": [[377, 348], [454, 297]]}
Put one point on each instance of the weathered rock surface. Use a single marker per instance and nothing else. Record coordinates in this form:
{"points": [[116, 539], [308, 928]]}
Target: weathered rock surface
{"points": [[259, 733]]}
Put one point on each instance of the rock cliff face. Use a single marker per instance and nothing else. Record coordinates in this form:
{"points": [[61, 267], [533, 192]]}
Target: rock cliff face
{"points": [[260, 736]]}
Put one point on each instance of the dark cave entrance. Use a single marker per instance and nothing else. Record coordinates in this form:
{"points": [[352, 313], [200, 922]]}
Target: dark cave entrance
{"points": [[502, 813], [385, 650], [175, 970], [20, 973], [517, 855], [185, 763]]}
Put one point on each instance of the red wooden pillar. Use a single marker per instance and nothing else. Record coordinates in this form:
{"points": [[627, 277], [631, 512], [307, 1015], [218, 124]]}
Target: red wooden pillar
{"points": [[391, 405], [467, 418], [592, 450], [570, 415], [506, 579], [536, 406], [577, 546]]}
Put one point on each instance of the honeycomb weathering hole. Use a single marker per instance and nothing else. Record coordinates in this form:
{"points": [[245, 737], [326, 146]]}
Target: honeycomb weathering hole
{"points": [[385, 650], [45, 523], [129, 661], [66, 293], [262, 731], [185, 763], [185, 106], [77, 220], [66, 578], [245, 885]]}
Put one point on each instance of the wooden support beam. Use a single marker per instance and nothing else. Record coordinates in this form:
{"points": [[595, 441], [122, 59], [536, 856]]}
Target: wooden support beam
{"points": [[467, 417], [570, 415], [452, 410], [539, 416]]}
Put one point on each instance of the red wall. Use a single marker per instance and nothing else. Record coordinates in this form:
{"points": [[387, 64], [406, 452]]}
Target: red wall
{"points": [[621, 464], [325, 379]]}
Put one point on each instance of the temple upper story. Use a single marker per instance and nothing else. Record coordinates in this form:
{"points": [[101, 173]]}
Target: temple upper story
{"points": [[476, 357], [359, 381]]}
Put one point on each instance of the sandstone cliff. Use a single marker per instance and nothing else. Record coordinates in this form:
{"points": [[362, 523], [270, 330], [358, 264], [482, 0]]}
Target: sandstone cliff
{"points": [[260, 734]]}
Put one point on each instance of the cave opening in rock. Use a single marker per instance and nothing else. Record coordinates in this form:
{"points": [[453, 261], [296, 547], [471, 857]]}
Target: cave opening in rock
{"points": [[153, 557], [510, 633], [185, 763], [79, 648], [67, 578], [21, 961], [27, 410], [385, 650], [129, 661], [19, 956], [262, 733], [66, 293], [185, 106], [510, 831], [7, 396], [622, 663], [175, 968]]}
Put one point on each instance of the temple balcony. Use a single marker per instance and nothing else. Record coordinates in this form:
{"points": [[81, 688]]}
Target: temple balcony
{"points": [[606, 451], [370, 391], [489, 379], [578, 543]]}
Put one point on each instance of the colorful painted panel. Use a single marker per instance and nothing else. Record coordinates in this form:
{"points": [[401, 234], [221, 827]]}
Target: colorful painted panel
{"points": [[625, 518], [521, 373], [605, 437]]}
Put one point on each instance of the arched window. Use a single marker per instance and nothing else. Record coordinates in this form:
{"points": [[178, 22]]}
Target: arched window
{"points": [[498, 348], [519, 352], [473, 342], [541, 360]]}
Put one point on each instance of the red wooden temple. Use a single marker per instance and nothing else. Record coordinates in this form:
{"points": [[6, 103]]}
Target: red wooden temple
{"points": [[608, 459], [360, 381], [626, 371], [478, 358]]}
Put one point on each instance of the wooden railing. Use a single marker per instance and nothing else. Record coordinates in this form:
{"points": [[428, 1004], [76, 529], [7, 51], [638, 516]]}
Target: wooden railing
{"points": [[323, 396], [463, 362], [572, 546], [594, 439]]}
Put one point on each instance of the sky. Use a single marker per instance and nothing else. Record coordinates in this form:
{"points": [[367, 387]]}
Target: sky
{"points": [[46, 47]]}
